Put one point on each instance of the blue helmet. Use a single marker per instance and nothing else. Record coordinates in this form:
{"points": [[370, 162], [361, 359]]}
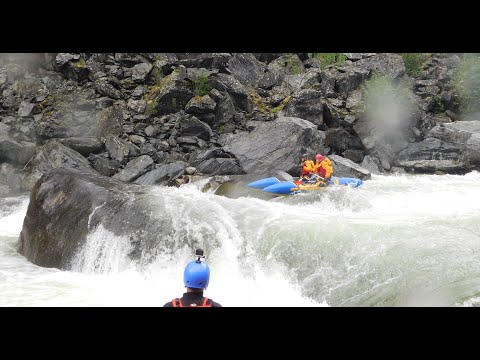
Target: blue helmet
{"points": [[196, 275]]}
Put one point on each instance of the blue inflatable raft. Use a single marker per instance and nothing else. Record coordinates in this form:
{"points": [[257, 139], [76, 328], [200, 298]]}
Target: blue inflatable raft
{"points": [[274, 186]]}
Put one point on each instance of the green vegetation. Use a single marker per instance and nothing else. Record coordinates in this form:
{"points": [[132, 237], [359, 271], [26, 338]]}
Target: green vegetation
{"points": [[80, 63], [266, 108], [387, 102], [157, 72], [281, 105], [414, 63], [327, 59], [466, 82], [291, 63], [202, 85]]}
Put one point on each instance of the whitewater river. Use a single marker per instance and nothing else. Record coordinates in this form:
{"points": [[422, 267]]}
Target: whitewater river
{"points": [[396, 241]]}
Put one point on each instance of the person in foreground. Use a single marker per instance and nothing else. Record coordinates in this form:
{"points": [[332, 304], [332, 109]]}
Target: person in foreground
{"points": [[195, 278]]}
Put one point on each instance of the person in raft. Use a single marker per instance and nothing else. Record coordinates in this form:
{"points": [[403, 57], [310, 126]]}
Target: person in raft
{"points": [[306, 168], [322, 170]]}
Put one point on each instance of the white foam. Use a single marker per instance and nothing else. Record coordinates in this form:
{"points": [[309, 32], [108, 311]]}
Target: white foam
{"points": [[11, 225]]}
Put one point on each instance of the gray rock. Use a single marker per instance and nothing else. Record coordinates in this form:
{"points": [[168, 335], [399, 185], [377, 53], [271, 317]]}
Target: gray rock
{"points": [[8, 120], [390, 64], [84, 145], [433, 166], [273, 77], [141, 71], [119, 149], [137, 106], [290, 64], [306, 104], [205, 60], [29, 87], [347, 168], [355, 155], [246, 68], [457, 133], [164, 175], [104, 88], [138, 92], [190, 170], [224, 112], [152, 130], [54, 155], [358, 56], [63, 58], [4, 129], [134, 168], [200, 105], [104, 165], [65, 197], [25, 109], [137, 140], [227, 83], [275, 145], [15, 152], [191, 126], [341, 140], [372, 164], [171, 95], [312, 63], [429, 149], [220, 166]]}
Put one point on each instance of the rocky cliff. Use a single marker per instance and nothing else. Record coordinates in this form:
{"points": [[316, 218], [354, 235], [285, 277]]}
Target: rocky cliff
{"points": [[156, 118]]}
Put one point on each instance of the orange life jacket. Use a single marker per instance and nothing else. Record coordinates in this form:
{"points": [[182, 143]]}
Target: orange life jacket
{"points": [[307, 167], [324, 168], [178, 303]]}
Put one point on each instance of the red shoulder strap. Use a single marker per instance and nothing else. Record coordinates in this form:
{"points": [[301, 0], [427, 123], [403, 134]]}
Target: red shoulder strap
{"points": [[177, 302]]}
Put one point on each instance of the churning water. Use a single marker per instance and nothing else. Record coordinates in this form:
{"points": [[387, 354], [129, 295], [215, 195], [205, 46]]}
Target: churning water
{"points": [[405, 240]]}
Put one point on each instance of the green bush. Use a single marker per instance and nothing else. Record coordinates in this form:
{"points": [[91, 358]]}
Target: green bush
{"points": [[414, 63], [387, 103], [466, 82], [202, 85], [291, 63], [327, 59]]}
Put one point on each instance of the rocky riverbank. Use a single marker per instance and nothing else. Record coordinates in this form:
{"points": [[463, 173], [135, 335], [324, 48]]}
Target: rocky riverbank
{"points": [[158, 118]]}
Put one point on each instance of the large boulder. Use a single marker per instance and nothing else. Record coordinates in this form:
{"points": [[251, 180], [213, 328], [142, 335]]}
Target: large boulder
{"points": [[53, 155], [191, 126], [388, 64], [346, 168], [15, 152], [205, 60], [84, 145], [239, 93], [163, 175], [432, 155], [275, 145], [306, 104], [134, 168], [463, 134], [246, 68], [220, 166], [120, 150], [68, 207], [169, 95]]}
